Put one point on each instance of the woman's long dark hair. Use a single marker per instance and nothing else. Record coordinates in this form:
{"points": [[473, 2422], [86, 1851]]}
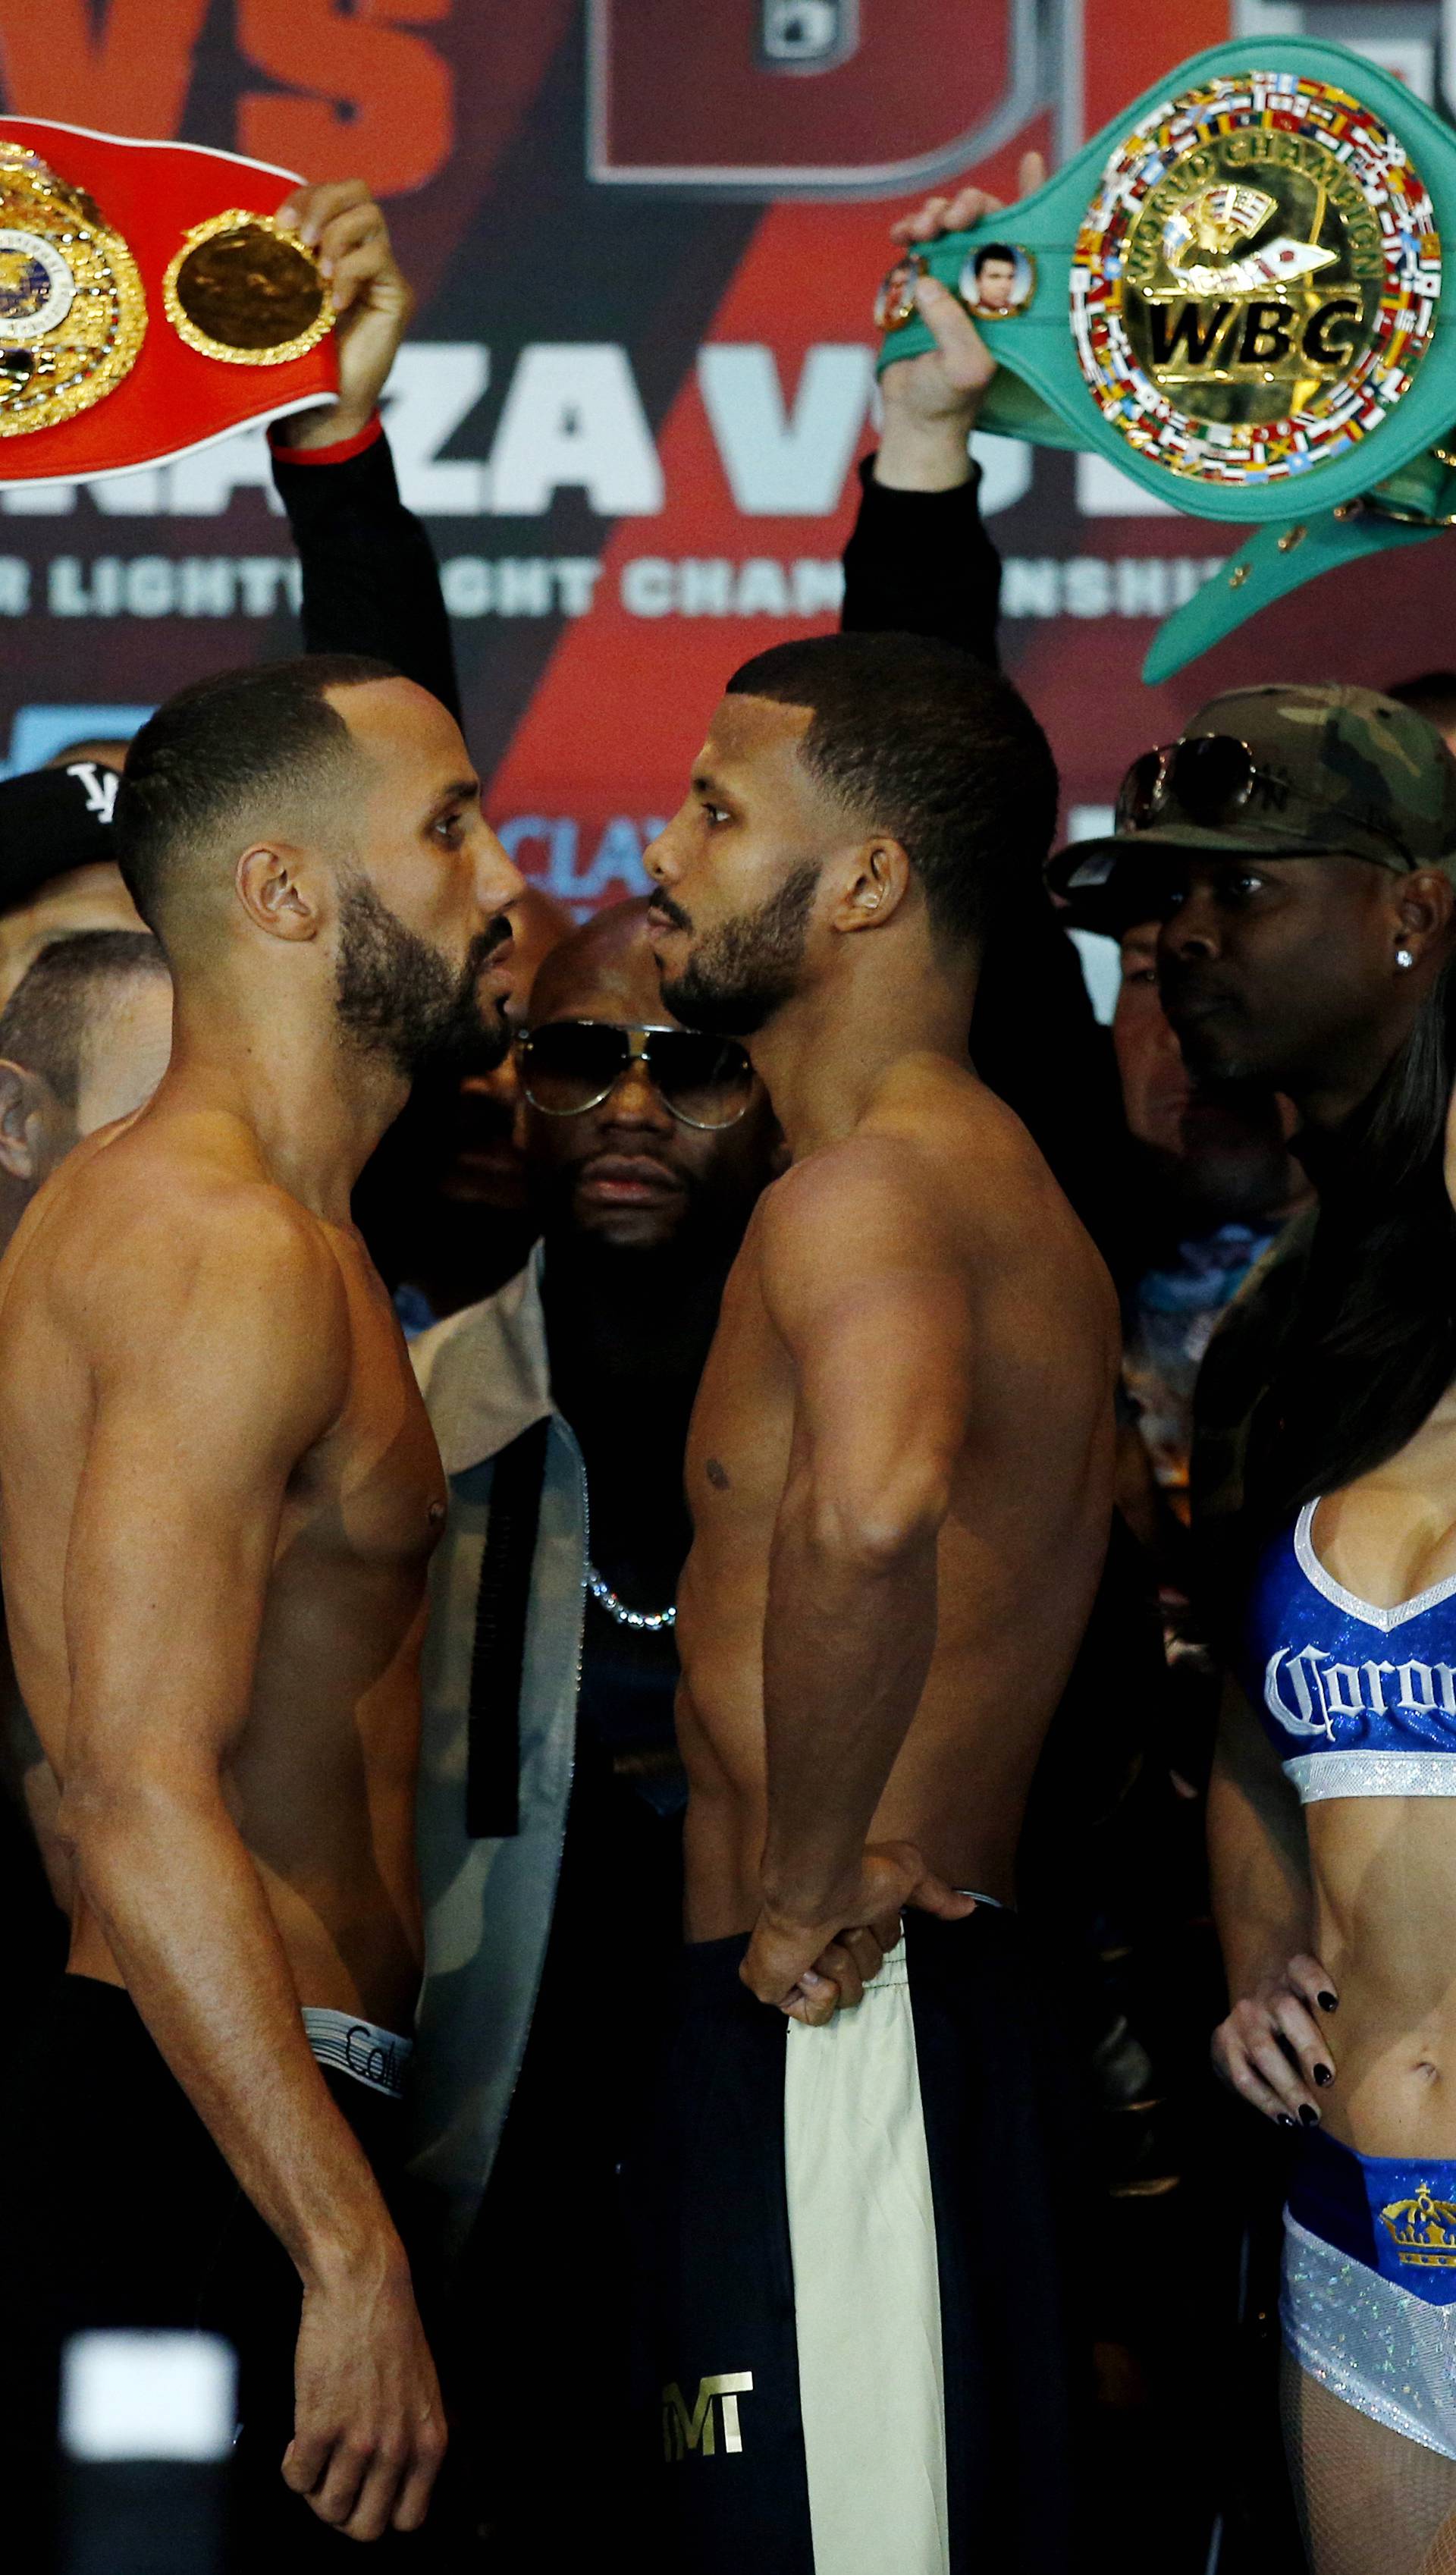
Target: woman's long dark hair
{"points": [[1373, 1346]]}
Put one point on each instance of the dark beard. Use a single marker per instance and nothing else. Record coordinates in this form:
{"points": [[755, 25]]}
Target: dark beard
{"points": [[397, 997], [744, 972]]}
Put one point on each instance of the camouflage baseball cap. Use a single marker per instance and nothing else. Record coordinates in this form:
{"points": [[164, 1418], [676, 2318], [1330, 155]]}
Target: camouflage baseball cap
{"points": [[1336, 772]]}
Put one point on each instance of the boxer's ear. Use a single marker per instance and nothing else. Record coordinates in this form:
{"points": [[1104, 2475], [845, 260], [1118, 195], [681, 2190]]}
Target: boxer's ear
{"points": [[275, 885], [28, 1106], [876, 885]]}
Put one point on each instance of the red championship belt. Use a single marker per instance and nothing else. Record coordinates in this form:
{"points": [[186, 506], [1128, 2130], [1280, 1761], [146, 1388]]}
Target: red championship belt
{"points": [[148, 304]]}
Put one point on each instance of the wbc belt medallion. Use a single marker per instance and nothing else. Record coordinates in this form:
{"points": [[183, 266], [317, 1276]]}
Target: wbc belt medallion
{"points": [[1256, 282], [72, 311]]}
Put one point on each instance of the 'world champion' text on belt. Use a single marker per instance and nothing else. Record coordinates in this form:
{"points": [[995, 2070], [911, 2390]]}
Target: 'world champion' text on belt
{"points": [[1255, 262]]}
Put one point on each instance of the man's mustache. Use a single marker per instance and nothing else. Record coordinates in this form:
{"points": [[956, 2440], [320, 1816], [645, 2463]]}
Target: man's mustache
{"points": [[672, 911]]}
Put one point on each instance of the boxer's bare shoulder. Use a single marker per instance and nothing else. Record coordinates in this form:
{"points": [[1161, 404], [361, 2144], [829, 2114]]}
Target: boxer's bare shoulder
{"points": [[937, 1174], [145, 1270]]}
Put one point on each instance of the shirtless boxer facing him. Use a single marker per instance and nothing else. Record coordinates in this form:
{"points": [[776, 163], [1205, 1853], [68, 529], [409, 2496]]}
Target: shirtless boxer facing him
{"points": [[218, 1493], [899, 1473]]}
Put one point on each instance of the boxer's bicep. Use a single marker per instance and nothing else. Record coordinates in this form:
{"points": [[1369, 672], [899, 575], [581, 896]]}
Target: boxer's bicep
{"points": [[877, 1321], [884, 1399]]}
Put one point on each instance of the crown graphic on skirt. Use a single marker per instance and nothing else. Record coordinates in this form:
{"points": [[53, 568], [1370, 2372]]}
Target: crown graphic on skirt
{"points": [[1423, 2229]]}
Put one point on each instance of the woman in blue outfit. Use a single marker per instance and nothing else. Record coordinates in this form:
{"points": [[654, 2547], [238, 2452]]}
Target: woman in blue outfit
{"points": [[1332, 1819]]}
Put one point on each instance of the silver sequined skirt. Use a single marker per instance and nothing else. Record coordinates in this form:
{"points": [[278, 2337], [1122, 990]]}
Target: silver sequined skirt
{"points": [[1389, 2354]]}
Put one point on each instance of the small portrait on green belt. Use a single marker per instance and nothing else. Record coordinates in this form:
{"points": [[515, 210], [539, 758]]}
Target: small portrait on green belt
{"points": [[997, 278]]}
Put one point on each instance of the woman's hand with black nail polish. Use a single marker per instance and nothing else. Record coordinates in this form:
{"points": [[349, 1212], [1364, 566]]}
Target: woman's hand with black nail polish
{"points": [[1271, 2048]]}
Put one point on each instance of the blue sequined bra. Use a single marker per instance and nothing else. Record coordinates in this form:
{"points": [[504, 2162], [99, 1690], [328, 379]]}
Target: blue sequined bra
{"points": [[1357, 1702]]}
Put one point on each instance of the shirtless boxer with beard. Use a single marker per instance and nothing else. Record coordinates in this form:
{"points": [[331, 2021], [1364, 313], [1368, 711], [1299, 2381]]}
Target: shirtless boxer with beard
{"points": [[900, 1474], [218, 1496]]}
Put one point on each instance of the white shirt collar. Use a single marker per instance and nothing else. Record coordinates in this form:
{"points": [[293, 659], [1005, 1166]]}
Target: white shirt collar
{"points": [[484, 1372]]}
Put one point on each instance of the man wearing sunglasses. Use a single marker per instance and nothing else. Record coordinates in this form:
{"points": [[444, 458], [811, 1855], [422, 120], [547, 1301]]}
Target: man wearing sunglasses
{"points": [[899, 1475], [552, 1817], [1300, 845]]}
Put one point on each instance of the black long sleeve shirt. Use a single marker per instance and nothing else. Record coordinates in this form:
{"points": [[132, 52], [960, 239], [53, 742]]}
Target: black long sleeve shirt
{"points": [[921, 563], [370, 580]]}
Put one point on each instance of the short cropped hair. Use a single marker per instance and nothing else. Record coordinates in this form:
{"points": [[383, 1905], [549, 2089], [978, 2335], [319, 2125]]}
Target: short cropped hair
{"points": [[222, 757], [995, 250], [920, 739], [59, 1000]]}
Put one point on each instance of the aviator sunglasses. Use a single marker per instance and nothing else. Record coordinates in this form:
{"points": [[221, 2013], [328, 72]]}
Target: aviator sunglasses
{"points": [[569, 1065], [1214, 780], [1211, 776]]}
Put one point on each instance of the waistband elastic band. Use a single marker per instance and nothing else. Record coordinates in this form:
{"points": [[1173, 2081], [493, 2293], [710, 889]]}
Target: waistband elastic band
{"points": [[359, 2047]]}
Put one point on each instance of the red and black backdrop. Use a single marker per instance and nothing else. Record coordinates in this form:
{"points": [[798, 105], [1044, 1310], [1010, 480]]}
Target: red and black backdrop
{"points": [[646, 236]]}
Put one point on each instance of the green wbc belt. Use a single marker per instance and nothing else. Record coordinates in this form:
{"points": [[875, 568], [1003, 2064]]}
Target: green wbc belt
{"points": [[1233, 293]]}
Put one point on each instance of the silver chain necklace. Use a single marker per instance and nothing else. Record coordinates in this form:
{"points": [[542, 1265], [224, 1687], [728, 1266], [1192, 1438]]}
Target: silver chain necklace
{"points": [[654, 1620]]}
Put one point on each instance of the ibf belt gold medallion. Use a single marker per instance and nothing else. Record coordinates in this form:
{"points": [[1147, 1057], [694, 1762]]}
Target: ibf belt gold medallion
{"points": [[1256, 284], [72, 311], [243, 290]]}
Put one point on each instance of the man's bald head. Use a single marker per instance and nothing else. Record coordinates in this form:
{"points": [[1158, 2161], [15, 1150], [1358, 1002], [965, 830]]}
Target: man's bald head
{"points": [[603, 971], [246, 754]]}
